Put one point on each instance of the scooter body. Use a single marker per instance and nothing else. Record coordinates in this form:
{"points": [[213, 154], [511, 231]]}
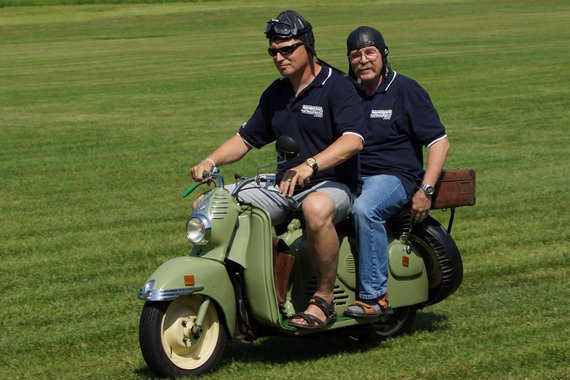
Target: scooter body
{"points": [[225, 287]]}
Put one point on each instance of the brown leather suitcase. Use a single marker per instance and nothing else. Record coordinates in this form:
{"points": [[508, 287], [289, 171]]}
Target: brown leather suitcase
{"points": [[282, 265], [454, 188]]}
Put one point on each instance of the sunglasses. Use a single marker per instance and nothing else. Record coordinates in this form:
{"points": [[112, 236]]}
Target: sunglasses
{"points": [[284, 50]]}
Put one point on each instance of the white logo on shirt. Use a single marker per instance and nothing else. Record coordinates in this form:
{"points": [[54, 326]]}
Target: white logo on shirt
{"points": [[316, 111], [381, 114]]}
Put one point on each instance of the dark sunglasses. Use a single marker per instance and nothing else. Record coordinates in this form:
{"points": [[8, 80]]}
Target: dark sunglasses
{"points": [[278, 29], [284, 50]]}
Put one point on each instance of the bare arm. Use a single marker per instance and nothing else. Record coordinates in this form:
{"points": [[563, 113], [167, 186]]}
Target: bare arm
{"points": [[437, 153], [341, 150], [230, 151]]}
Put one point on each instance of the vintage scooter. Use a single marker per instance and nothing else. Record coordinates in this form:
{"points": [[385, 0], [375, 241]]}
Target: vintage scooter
{"points": [[242, 278]]}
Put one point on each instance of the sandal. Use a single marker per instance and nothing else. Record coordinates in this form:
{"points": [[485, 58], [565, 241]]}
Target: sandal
{"points": [[379, 308], [314, 323]]}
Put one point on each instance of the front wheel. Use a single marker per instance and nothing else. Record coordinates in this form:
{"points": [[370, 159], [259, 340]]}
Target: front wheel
{"points": [[171, 342]]}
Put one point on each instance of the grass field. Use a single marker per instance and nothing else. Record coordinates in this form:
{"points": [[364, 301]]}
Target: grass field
{"points": [[103, 107]]}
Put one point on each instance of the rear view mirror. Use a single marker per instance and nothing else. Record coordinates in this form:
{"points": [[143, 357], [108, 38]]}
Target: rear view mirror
{"points": [[286, 148]]}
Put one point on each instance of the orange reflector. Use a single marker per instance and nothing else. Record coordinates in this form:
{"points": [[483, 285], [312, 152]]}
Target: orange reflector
{"points": [[405, 261], [189, 280]]}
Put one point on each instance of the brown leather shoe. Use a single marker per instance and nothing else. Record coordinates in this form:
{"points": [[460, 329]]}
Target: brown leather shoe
{"points": [[370, 309]]}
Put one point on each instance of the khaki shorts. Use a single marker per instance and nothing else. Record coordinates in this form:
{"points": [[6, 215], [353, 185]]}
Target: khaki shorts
{"points": [[282, 209]]}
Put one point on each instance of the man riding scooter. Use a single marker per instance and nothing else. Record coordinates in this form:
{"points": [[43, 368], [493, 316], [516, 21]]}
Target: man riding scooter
{"points": [[320, 109], [402, 120]]}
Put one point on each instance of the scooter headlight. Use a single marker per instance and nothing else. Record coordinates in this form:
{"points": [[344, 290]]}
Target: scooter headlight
{"points": [[198, 229]]}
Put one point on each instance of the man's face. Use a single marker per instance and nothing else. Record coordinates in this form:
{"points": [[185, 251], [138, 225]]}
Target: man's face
{"points": [[289, 56], [366, 63]]}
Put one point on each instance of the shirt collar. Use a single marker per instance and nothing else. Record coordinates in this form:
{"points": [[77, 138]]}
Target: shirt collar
{"points": [[322, 76], [387, 82], [384, 86]]}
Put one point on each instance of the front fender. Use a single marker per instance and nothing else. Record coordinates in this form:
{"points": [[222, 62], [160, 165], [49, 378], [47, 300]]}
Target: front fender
{"points": [[210, 279]]}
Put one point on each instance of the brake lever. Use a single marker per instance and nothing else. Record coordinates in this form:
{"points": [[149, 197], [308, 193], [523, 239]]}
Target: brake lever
{"points": [[208, 178]]}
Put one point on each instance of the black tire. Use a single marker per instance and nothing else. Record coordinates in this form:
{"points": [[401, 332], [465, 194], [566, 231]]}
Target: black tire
{"points": [[167, 343], [441, 256], [397, 324]]}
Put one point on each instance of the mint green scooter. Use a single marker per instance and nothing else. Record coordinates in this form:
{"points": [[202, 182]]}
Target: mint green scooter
{"points": [[242, 279]]}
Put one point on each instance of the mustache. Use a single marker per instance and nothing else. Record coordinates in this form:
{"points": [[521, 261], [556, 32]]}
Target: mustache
{"points": [[364, 67]]}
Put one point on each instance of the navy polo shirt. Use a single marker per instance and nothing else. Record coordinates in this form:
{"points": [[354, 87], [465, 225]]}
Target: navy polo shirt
{"points": [[401, 120], [325, 110]]}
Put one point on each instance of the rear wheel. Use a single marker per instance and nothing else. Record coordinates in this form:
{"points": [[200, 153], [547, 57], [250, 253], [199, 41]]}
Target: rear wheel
{"points": [[441, 257], [397, 324], [171, 342]]}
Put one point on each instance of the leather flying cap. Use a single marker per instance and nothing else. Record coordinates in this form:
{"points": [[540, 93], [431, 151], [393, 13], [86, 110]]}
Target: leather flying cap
{"points": [[290, 24], [362, 37]]}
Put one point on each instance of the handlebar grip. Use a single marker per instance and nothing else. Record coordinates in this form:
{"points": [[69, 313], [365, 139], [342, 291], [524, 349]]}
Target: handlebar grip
{"points": [[208, 176], [190, 190]]}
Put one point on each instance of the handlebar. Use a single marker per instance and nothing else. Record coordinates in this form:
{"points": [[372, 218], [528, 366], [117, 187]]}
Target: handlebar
{"points": [[268, 181], [209, 176]]}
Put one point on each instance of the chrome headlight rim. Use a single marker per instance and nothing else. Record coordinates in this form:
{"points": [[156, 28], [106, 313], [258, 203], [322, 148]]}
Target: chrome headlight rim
{"points": [[198, 229]]}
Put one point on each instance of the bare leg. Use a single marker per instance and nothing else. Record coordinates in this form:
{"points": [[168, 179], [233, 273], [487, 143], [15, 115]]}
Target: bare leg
{"points": [[323, 247]]}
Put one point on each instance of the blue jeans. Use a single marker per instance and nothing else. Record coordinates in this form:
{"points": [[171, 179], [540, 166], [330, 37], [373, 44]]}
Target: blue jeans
{"points": [[382, 196]]}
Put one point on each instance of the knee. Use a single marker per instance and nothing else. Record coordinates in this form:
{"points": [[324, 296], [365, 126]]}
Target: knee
{"points": [[366, 212], [360, 208], [318, 210]]}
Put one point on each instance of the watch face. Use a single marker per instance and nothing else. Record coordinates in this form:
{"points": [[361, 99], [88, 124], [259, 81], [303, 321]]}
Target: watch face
{"points": [[429, 190], [312, 163]]}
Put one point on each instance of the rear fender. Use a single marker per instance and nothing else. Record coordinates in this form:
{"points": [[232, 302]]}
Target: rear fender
{"points": [[210, 279]]}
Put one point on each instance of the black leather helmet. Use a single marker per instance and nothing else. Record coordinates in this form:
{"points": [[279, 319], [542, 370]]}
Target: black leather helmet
{"points": [[364, 36], [290, 24]]}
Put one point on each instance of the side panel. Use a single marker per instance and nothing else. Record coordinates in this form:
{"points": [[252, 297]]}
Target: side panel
{"points": [[211, 279], [303, 280], [407, 277], [408, 280], [347, 263], [258, 273]]}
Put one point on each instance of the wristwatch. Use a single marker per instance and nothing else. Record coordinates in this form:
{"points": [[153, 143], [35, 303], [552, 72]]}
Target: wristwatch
{"points": [[313, 164], [428, 190]]}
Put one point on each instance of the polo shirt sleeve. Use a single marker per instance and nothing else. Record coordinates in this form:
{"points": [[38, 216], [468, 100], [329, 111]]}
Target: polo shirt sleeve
{"points": [[426, 126], [257, 131], [347, 108]]}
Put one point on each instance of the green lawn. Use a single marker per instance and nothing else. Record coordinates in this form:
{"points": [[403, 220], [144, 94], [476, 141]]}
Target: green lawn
{"points": [[103, 108]]}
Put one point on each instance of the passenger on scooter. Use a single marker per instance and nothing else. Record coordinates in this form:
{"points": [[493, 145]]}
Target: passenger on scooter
{"points": [[402, 120], [321, 110]]}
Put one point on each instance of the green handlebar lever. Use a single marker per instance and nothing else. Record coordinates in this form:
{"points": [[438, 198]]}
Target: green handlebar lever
{"points": [[190, 190]]}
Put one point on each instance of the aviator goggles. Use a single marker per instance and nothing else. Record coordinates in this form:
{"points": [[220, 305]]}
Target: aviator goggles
{"points": [[279, 29], [284, 50]]}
